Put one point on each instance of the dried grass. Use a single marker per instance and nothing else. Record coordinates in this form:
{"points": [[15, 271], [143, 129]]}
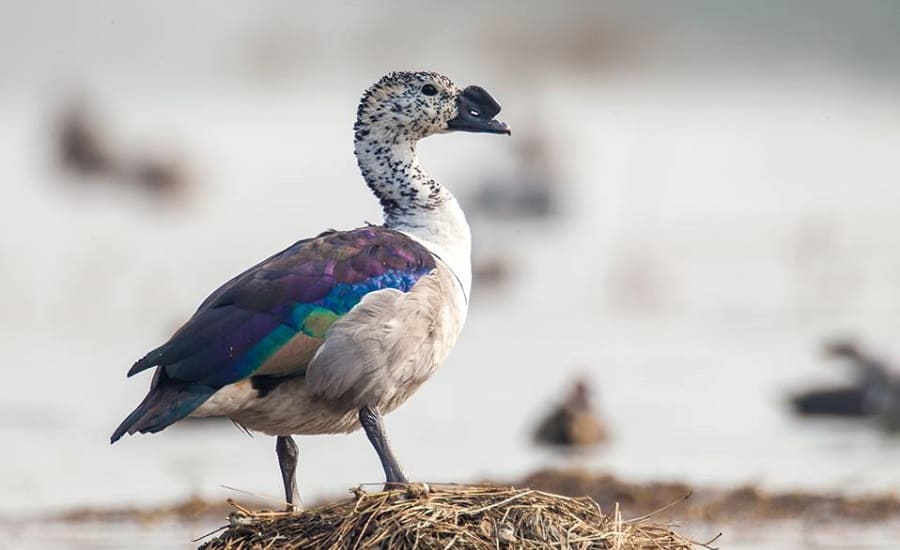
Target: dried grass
{"points": [[447, 516]]}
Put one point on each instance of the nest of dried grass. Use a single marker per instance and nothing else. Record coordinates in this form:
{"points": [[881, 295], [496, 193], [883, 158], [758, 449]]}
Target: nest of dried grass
{"points": [[447, 516]]}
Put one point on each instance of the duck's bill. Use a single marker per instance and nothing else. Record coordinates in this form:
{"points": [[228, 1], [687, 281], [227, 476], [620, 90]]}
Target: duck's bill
{"points": [[476, 112]]}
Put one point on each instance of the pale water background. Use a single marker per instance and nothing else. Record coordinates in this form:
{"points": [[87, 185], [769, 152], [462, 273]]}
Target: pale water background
{"points": [[719, 222]]}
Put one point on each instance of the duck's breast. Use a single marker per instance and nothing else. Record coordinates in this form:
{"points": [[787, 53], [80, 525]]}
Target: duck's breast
{"points": [[384, 349]]}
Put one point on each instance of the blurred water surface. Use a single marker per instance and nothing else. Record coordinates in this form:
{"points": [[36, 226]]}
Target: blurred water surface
{"points": [[718, 222]]}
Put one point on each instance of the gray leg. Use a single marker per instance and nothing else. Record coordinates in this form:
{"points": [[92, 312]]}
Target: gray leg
{"points": [[370, 418], [286, 450]]}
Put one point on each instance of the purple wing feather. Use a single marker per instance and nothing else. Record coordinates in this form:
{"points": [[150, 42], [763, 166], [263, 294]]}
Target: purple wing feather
{"points": [[333, 270]]}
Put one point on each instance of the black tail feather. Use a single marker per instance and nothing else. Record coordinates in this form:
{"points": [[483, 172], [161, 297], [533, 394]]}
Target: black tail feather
{"points": [[167, 402], [149, 360]]}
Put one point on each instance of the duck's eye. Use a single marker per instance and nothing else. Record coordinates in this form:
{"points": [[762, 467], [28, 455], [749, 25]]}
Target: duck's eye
{"points": [[428, 89]]}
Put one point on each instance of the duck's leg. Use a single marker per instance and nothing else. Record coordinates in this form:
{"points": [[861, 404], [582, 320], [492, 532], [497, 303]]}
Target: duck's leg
{"points": [[286, 450], [370, 418]]}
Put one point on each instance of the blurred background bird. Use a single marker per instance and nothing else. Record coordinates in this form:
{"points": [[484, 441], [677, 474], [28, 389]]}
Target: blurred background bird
{"points": [[574, 422]]}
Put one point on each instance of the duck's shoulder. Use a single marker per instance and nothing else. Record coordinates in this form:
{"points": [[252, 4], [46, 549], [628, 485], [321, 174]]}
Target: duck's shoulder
{"points": [[369, 250], [311, 265]]}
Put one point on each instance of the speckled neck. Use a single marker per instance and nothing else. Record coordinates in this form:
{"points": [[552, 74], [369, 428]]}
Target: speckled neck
{"points": [[413, 202], [392, 171]]}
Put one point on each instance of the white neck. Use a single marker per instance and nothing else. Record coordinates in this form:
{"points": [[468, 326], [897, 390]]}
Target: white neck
{"points": [[416, 204]]}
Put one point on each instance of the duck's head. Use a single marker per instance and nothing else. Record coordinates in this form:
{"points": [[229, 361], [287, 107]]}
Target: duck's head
{"points": [[409, 106]]}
